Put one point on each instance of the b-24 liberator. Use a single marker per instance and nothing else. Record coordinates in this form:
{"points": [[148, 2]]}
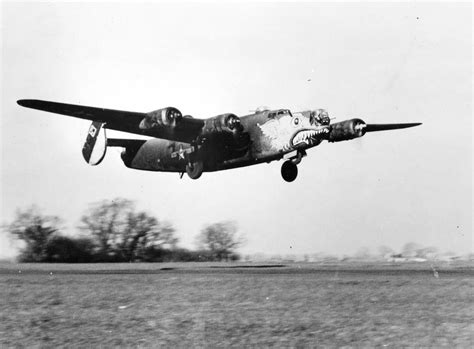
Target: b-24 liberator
{"points": [[184, 144]]}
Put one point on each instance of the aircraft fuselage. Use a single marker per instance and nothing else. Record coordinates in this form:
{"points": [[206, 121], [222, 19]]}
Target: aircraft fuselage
{"points": [[271, 135]]}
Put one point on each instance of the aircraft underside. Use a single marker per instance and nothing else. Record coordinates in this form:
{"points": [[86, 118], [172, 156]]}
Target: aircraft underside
{"points": [[166, 156]]}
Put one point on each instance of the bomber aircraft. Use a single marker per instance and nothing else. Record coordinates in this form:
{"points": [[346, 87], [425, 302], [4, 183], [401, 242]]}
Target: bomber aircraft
{"points": [[181, 143]]}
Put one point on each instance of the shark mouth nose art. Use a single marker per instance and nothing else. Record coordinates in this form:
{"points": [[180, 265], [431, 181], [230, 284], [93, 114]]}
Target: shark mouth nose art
{"points": [[308, 137]]}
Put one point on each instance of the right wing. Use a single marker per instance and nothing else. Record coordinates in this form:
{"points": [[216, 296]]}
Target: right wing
{"points": [[354, 128], [387, 127], [186, 129]]}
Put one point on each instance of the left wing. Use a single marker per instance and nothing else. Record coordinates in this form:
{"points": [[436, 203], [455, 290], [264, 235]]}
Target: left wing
{"points": [[157, 124]]}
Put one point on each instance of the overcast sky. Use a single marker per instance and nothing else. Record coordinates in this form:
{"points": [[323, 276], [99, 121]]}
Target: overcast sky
{"points": [[381, 62]]}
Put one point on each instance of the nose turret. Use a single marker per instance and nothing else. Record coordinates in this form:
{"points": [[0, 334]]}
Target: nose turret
{"points": [[319, 117]]}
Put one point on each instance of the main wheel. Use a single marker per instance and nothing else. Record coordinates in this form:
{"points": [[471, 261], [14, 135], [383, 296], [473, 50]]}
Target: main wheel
{"points": [[289, 171], [194, 170]]}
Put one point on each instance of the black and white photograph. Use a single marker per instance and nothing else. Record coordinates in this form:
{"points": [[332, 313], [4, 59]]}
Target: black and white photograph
{"points": [[236, 174]]}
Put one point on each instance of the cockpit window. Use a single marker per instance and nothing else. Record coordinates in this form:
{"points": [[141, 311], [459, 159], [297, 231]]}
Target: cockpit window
{"points": [[279, 112], [284, 111]]}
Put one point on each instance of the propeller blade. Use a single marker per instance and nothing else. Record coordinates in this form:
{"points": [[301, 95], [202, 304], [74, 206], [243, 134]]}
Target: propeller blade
{"points": [[386, 127]]}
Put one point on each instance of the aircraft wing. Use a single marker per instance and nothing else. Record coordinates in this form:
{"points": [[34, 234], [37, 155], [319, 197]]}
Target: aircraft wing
{"points": [[354, 128], [387, 127], [186, 129]]}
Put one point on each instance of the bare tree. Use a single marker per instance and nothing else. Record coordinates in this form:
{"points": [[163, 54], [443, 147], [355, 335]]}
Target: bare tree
{"points": [[362, 253], [105, 221], [35, 230], [429, 252], [143, 231], [221, 239], [122, 233], [410, 249], [385, 251]]}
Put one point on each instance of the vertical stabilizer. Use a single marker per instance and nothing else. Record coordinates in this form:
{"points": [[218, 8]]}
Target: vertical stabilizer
{"points": [[96, 144]]}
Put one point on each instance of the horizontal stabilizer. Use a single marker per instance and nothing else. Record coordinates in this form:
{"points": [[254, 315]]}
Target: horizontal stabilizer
{"points": [[125, 143], [386, 127]]}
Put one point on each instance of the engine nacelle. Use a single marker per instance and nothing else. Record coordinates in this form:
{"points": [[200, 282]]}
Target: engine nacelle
{"points": [[225, 123], [346, 130], [169, 117]]}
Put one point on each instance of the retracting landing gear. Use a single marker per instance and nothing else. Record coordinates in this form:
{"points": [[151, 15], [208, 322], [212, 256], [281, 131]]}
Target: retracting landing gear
{"points": [[289, 171], [297, 159], [194, 169]]}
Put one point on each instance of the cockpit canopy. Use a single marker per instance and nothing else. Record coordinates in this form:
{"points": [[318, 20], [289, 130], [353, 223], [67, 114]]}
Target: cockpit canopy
{"points": [[275, 113], [316, 117]]}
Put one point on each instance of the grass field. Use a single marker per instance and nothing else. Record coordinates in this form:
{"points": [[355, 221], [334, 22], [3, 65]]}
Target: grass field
{"points": [[212, 305]]}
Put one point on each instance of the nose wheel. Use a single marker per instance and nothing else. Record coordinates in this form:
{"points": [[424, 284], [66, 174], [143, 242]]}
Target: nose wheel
{"points": [[289, 171]]}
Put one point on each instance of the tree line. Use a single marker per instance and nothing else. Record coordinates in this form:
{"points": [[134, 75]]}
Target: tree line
{"points": [[115, 231]]}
